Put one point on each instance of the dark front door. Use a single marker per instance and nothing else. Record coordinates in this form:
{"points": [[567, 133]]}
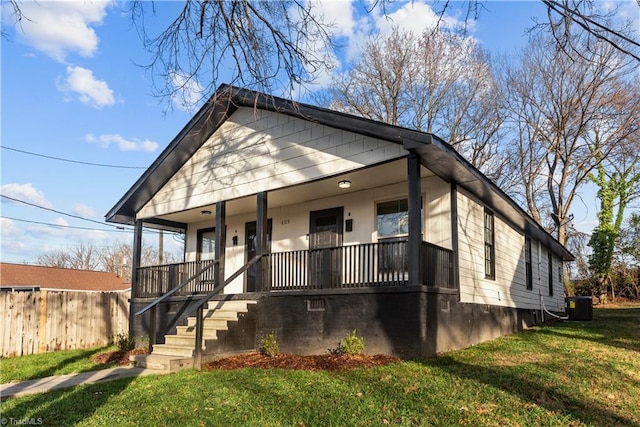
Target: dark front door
{"points": [[325, 248], [250, 251]]}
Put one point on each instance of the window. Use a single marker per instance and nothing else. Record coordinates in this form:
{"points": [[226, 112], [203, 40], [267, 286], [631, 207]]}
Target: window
{"points": [[489, 245], [393, 218], [550, 268], [393, 227], [527, 262], [206, 244], [560, 276]]}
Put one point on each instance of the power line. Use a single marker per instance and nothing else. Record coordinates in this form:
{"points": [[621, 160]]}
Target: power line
{"points": [[66, 226], [71, 161], [119, 227], [60, 212]]}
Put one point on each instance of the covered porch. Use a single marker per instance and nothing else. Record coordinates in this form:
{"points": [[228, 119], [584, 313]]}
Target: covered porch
{"points": [[379, 226]]}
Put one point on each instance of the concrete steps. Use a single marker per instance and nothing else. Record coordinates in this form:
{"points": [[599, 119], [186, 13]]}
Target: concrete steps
{"points": [[178, 350]]}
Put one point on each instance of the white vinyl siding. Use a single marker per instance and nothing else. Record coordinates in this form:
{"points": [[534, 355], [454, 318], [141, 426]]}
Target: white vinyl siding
{"points": [[509, 287], [256, 151]]}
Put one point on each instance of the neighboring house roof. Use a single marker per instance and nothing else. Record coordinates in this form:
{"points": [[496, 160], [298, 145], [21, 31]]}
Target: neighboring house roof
{"points": [[20, 275], [435, 154]]}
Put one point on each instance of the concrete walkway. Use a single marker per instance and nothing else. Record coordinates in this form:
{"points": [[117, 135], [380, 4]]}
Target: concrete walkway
{"points": [[43, 385]]}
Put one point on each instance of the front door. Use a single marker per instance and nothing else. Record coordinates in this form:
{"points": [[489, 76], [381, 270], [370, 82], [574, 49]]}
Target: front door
{"points": [[325, 248], [250, 251]]}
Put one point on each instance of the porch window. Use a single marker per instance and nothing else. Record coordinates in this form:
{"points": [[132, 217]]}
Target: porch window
{"points": [[489, 245], [393, 227], [528, 262], [550, 272], [206, 244], [393, 218]]}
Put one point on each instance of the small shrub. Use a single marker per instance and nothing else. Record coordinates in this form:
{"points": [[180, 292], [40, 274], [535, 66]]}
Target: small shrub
{"points": [[269, 345], [350, 345], [123, 341]]}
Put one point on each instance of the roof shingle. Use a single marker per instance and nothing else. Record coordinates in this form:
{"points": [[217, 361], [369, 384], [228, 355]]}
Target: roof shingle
{"points": [[18, 275]]}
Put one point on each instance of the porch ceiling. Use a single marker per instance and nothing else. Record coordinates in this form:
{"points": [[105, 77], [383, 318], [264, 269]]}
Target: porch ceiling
{"points": [[361, 179]]}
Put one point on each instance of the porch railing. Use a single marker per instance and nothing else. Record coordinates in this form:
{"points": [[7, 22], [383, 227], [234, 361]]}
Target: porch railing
{"points": [[359, 266], [354, 266], [157, 280]]}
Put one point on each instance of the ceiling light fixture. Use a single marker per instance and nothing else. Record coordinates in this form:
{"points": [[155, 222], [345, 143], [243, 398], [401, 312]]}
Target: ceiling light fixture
{"points": [[344, 183], [205, 212]]}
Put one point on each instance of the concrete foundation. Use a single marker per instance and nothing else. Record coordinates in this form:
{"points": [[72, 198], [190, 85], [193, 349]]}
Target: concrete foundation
{"points": [[405, 322]]}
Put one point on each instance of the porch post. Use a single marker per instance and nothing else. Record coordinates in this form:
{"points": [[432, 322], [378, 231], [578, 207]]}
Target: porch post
{"points": [[415, 220], [262, 279], [135, 264], [454, 280], [221, 242], [136, 256]]}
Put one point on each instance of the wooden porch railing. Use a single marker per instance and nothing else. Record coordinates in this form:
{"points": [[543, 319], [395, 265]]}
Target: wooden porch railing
{"points": [[157, 280], [359, 266], [354, 266]]}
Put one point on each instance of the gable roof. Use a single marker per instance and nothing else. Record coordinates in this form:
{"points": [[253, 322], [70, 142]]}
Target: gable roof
{"points": [[20, 275], [435, 154]]}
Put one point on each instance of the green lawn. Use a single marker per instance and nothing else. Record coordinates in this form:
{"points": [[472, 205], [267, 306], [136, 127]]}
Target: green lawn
{"points": [[564, 374], [47, 364]]}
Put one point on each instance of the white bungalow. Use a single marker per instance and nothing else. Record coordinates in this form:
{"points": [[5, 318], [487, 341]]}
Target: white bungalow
{"points": [[310, 223]]}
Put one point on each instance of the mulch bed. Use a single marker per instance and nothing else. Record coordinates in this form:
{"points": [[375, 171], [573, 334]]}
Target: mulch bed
{"points": [[119, 357], [323, 362]]}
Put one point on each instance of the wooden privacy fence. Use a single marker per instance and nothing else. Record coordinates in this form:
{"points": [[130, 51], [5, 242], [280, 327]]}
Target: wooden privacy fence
{"points": [[41, 321]]}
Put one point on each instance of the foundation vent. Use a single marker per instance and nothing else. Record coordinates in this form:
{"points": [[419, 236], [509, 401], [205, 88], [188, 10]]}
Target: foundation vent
{"points": [[316, 304]]}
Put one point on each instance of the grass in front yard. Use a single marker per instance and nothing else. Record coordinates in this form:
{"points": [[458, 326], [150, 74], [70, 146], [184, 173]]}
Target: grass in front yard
{"points": [[52, 363], [564, 374]]}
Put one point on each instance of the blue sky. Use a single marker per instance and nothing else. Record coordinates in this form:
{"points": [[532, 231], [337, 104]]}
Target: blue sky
{"points": [[71, 89]]}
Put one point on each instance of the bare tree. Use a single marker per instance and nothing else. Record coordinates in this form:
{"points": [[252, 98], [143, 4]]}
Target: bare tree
{"points": [[436, 82], [57, 258], [556, 104], [117, 259], [592, 21], [271, 45], [82, 256], [263, 45], [112, 257]]}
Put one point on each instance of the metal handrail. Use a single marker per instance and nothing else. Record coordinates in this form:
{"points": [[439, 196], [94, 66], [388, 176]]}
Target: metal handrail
{"points": [[200, 302], [176, 289], [198, 306]]}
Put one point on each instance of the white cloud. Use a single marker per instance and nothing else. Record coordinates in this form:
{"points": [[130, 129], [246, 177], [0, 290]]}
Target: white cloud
{"points": [[187, 92], [415, 16], [83, 210], [25, 192], [90, 90], [60, 221], [58, 28], [586, 226], [62, 231], [337, 14], [133, 144], [8, 227]]}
